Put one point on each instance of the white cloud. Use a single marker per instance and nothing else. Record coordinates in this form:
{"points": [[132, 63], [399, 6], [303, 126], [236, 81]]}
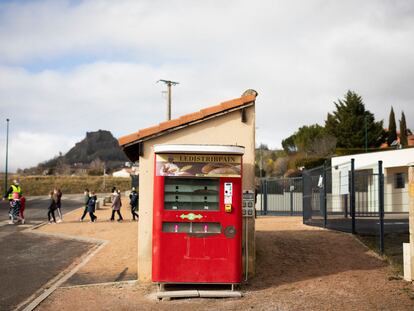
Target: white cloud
{"points": [[27, 149], [299, 55]]}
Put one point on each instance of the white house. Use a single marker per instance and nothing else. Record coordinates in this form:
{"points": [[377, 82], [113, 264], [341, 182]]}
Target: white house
{"points": [[122, 173], [395, 169]]}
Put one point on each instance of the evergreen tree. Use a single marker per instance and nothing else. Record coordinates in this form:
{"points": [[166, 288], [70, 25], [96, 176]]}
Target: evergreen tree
{"points": [[392, 128], [311, 140], [403, 131], [349, 121]]}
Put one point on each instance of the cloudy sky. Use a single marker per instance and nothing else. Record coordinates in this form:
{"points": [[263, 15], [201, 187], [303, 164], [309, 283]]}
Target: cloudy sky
{"points": [[68, 67]]}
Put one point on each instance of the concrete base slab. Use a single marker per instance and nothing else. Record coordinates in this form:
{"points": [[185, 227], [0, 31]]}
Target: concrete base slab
{"points": [[164, 295], [219, 294], [178, 294]]}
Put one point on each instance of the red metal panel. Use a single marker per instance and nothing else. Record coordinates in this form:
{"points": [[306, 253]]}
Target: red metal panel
{"points": [[197, 258]]}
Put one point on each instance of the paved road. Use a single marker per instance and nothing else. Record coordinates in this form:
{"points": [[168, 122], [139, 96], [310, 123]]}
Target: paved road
{"points": [[28, 261], [36, 208]]}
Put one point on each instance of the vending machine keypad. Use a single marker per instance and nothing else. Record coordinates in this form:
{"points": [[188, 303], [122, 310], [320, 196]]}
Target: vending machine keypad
{"points": [[248, 203]]}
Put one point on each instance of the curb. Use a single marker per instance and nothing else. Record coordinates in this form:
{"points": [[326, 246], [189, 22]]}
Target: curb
{"points": [[32, 304], [130, 282], [34, 300]]}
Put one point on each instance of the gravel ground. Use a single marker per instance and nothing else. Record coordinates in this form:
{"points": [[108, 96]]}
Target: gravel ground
{"points": [[298, 268]]}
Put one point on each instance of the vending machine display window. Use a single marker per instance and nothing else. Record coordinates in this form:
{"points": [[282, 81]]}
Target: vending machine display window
{"points": [[191, 194]]}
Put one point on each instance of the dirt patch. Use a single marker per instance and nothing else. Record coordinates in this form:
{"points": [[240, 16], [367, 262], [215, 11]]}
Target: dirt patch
{"points": [[298, 268], [117, 261]]}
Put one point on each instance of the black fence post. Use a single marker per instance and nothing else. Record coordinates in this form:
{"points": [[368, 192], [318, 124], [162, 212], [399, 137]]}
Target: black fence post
{"points": [[291, 199], [352, 195], [305, 208], [381, 205], [325, 214], [261, 196], [265, 197]]}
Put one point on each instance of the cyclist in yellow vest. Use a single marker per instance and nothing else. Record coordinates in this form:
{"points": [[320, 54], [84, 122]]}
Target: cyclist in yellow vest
{"points": [[15, 187]]}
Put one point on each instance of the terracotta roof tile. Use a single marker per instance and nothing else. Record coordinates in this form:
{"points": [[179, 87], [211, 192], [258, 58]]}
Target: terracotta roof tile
{"points": [[148, 131], [127, 138], [211, 110], [185, 119], [168, 124]]}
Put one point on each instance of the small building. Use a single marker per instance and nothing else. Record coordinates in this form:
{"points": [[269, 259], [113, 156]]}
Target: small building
{"points": [[395, 165], [229, 123], [125, 173]]}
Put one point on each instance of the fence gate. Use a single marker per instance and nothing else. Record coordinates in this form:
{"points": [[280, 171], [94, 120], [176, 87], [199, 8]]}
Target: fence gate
{"points": [[280, 196]]}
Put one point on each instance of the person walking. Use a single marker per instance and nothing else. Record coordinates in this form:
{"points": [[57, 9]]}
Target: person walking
{"points": [[85, 200], [133, 202], [22, 208], [14, 208], [15, 187], [91, 206], [58, 199], [116, 205], [51, 209]]}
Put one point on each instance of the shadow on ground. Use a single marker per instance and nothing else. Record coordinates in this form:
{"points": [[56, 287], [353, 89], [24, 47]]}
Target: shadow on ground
{"points": [[85, 278]]}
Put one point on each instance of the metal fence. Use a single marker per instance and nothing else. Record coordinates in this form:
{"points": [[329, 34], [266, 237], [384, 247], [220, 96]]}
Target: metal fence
{"points": [[280, 196], [369, 201], [364, 201]]}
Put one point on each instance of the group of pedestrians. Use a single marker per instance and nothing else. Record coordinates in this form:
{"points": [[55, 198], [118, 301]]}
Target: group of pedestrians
{"points": [[90, 200], [55, 204], [17, 203]]}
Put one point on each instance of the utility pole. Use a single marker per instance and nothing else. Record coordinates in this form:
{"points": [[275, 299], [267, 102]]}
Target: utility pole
{"points": [[169, 84], [7, 157], [366, 133], [261, 161], [104, 177]]}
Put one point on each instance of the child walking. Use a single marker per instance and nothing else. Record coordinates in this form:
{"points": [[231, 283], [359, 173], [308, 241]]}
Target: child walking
{"points": [[14, 208], [57, 194], [85, 200], [91, 206], [133, 201], [22, 208], [116, 205], [51, 209]]}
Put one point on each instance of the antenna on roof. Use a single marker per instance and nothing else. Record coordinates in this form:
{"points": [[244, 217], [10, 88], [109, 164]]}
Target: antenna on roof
{"points": [[169, 84]]}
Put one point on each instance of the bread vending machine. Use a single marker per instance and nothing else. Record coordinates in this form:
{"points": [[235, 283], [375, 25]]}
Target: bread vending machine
{"points": [[197, 219]]}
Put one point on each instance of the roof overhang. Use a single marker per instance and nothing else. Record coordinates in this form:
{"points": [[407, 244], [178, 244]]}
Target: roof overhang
{"points": [[134, 148], [177, 128]]}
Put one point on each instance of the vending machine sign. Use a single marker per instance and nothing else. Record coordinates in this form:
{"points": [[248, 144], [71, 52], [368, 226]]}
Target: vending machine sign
{"points": [[208, 165]]}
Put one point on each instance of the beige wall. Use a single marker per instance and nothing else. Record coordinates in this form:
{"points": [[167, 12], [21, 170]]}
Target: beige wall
{"points": [[222, 130], [411, 217], [395, 200]]}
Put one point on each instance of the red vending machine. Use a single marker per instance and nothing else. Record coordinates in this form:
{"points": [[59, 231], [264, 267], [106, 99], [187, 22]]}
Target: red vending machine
{"points": [[197, 222]]}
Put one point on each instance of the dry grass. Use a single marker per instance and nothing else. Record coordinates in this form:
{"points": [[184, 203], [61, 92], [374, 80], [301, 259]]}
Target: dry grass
{"points": [[393, 244], [41, 185]]}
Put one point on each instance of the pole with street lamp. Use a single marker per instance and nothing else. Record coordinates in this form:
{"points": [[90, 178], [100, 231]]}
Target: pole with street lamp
{"points": [[366, 133], [7, 157]]}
